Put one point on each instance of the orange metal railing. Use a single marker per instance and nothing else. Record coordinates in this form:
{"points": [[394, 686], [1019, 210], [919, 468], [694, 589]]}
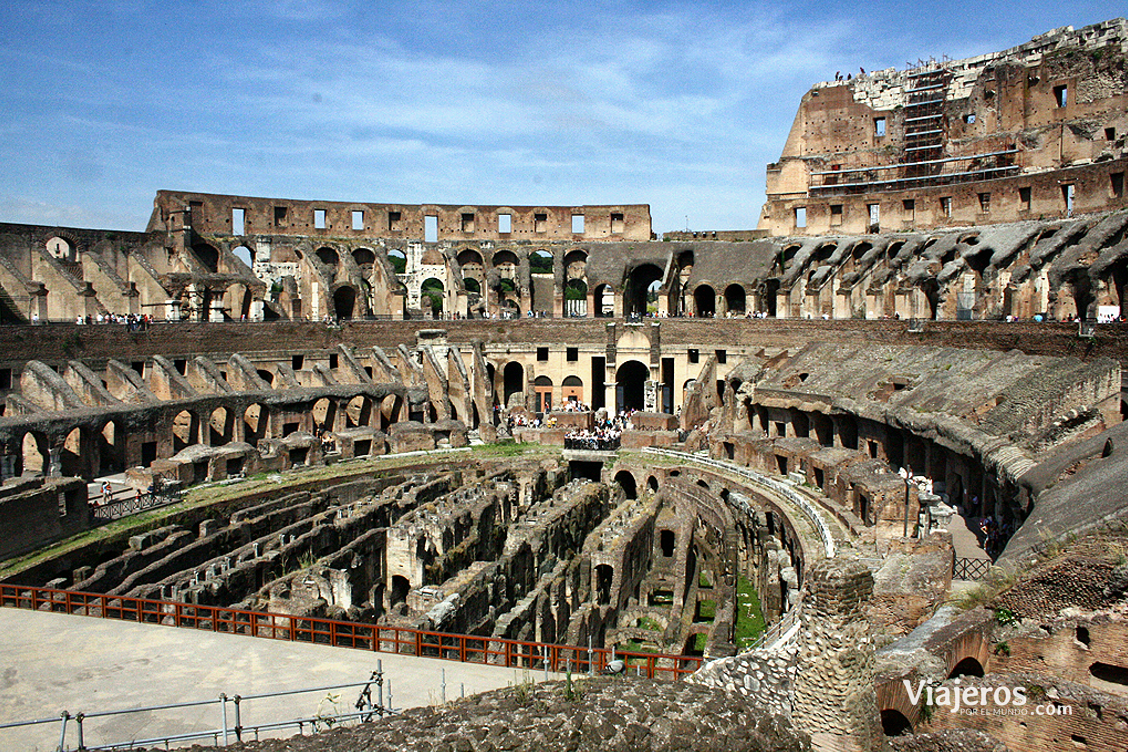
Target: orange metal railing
{"points": [[374, 637]]}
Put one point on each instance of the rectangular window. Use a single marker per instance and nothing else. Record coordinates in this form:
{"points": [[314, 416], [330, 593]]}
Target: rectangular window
{"points": [[1061, 95], [319, 219], [573, 354], [577, 224], [468, 223], [505, 223], [333, 360], [874, 211], [1067, 198], [358, 220], [879, 127], [394, 218], [238, 221], [280, 216], [1110, 134], [836, 214], [984, 203], [542, 354], [430, 229], [1116, 183], [693, 355], [969, 118], [1024, 198], [297, 362], [909, 207], [722, 356], [800, 216], [540, 223], [5, 378], [617, 224], [946, 206]]}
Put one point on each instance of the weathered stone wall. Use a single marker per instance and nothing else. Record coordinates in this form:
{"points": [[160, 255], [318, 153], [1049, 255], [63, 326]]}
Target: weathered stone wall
{"points": [[766, 677]]}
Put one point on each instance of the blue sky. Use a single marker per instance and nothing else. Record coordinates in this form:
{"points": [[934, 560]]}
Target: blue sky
{"points": [[678, 105]]}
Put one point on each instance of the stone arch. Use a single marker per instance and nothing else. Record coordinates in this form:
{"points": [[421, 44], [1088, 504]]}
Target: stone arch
{"points": [[62, 248], [185, 430], [328, 256], [735, 299], [652, 484], [364, 258], [542, 387], [604, 577], [603, 301], [398, 260], [344, 302], [572, 389], [575, 264], [667, 542], [256, 423], [630, 386], [35, 458], [541, 261], [71, 462], [894, 723], [638, 288], [244, 254], [627, 482], [221, 427], [705, 301], [358, 412], [110, 449], [432, 295], [266, 375], [324, 414], [967, 667], [513, 381]]}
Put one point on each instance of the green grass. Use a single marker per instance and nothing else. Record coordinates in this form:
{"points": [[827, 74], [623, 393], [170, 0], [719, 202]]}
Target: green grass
{"points": [[645, 622], [706, 611], [749, 617]]}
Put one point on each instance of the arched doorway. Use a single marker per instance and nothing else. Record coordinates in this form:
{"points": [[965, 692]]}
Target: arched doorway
{"points": [[543, 388], [735, 300], [431, 294], [329, 257], [626, 481], [513, 381], [705, 301], [894, 723], [630, 386], [573, 390], [344, 302], [604, 301], [638, 289]]}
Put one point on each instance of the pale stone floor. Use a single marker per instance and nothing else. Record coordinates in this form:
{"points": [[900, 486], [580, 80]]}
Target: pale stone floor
{"points": [[55, 662]]}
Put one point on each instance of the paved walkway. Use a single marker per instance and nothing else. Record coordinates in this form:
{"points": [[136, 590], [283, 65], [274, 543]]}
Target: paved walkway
{"points": [[54, 662], [964, 540]]}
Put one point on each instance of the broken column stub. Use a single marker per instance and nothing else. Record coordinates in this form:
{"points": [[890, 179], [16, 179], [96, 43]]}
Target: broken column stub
{"points": [[835, 699]]}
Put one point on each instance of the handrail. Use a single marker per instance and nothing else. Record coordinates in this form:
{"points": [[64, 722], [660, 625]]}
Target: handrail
{"points": [[779, 487], [480, 649]]}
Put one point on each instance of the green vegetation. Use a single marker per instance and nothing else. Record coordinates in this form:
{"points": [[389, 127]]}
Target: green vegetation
{"points": [[706, 611], [540, 263], [749, 617], [645, 622]]}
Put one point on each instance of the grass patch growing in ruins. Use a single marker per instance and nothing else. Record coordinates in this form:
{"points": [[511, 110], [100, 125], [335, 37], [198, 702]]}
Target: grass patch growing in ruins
{"points": [[750, 622], [706, 611]]}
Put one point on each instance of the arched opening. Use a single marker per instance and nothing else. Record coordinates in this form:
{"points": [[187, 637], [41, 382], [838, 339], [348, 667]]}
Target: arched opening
{"points": [[328, 256], [967, 667], [894, 723], [111, 449], [220, 427], [735, 300], [208, 257], [344, 302], [33, 453], [364, 259], [184, 431], [603, 298], [630, 386], [400, 588], [575, 298], [324, 414], [542, 387], [70, 457], [255, 420], [358, 412], [244, 254], [705, 301], [398, 261], [638, 289], [513, 381], [626, 481], [431, 296], [572, 389], [667, 540], [652, 484], [61, 248], [266, 376], [604, 576]]}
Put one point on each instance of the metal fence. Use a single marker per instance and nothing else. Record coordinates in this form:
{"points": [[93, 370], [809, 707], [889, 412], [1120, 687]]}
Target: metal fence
{"points": [[117, 509], [230, 714], [373, 637], [971, 569]]}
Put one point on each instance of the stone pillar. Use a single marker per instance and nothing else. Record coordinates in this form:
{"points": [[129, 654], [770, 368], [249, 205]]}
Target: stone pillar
{"points": [[8, 453], [835, 701]]}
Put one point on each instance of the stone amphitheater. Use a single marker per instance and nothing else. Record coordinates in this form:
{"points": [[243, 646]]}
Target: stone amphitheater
{"points": [[800, 477]]}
